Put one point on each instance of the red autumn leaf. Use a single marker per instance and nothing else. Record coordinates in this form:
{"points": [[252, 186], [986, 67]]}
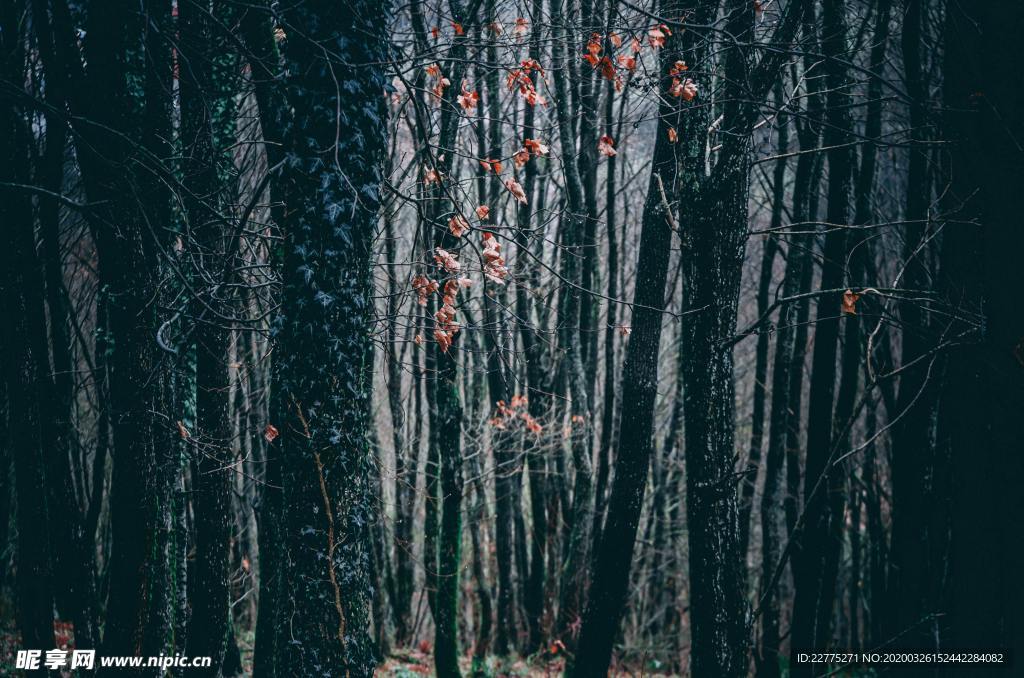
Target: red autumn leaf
{"points": [[532, 425], [516, 190], [672, 136], [689, 90], [536, 147], [436, 32], [468, 100], [458, 28], [521, 27], [423, 287], [496, 27], [625, 330], [607, 68], [606, 146], [627, 62], [447, 260], [850, 302], [482, 212], [494, 263], [418, 339], [491, 165], [521, 157], [678, 68], [458, 225], [270, 433], [182, 431], [615, 40], [635, 46], [656, 37], [433, 70]]}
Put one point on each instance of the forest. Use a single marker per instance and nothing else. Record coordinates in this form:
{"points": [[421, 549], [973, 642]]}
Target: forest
{"points": [[508, 338]]}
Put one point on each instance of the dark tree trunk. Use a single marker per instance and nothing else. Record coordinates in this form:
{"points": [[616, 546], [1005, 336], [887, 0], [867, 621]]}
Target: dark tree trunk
{"points": [[23, 365], [323, 357], [984, 396], [137, 619], [915, 468], [537, 397], [210, 236], [73, 552], [612, 563], [713, 267], [770, 246], [572, 594], [257, 33], [813, 568], [787, 379]]}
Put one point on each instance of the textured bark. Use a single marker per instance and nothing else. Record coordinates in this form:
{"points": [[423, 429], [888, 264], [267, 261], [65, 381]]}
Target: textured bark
{"points": [[323, 358], [712, 272]]}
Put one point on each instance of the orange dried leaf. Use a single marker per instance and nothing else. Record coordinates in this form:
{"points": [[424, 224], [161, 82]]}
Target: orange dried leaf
{"points": [[516, 190], [458, 225], [672, 136], [536, 147], [482, 212], [447, 260], [491, 165], [850, 302], [468, 100], [627, 62]]}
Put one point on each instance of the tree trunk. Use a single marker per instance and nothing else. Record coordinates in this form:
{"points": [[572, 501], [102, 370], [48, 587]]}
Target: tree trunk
{"points": [[323, 357]]}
